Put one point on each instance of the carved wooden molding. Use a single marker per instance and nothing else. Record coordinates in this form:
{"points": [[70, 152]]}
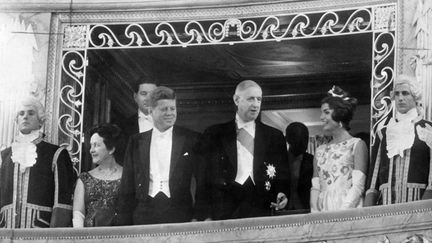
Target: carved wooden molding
{"points": [[374, 224], [195, 6]]}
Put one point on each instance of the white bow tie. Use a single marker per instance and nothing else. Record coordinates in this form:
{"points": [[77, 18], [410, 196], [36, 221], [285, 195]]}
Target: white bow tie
{"points": [[144, 117]]}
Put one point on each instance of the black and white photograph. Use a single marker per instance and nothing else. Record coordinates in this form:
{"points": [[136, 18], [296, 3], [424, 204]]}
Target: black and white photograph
{"points": [[216, 121]]}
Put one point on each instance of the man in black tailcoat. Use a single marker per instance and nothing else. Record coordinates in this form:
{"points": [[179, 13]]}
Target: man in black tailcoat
{"points": [[158, 169], [246, 161]]}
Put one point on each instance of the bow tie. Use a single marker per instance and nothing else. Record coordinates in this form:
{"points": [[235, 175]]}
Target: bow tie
{"points": [[161, 135], [144, 117]]}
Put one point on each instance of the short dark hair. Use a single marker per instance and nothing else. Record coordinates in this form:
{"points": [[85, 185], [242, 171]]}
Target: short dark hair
{"points": [[161, 93], [143, 79], [297, 136], [342, 104], [110, 134]]}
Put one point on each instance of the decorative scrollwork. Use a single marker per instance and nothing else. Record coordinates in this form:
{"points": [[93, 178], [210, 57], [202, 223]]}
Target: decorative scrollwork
{"points": [[385, 18], [75, 36], [71, 100], [232, 30], [382, 79], [378, 20]]}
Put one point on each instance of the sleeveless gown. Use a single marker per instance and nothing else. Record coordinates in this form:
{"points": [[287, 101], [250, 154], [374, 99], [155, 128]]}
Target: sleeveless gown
{"points": [[335, 163], [100, 200]]}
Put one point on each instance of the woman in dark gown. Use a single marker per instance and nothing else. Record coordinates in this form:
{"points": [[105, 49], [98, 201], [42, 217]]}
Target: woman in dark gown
{"points": [[96, 191]]}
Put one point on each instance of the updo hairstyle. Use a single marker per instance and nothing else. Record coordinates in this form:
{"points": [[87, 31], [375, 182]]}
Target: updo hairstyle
{"points": [[342, 104], [110, 133]]}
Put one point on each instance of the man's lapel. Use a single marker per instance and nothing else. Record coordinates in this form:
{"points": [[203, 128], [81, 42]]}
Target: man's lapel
{"points": [[229, 141], [178, 140], [144, 154], [135, 124]]}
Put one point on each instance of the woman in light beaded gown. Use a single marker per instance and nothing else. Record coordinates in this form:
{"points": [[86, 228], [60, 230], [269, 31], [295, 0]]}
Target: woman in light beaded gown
{"points": [[340, 166]]}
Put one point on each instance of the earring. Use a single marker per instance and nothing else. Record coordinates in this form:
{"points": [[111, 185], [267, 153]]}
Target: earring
{"points": [[340, 124]]}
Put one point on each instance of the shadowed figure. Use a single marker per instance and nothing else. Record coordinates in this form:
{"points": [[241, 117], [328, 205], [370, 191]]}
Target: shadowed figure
{"points": [[300, 166]]}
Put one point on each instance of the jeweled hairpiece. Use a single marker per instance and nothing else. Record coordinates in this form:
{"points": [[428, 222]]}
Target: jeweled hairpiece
{"points": [[333, 91]]}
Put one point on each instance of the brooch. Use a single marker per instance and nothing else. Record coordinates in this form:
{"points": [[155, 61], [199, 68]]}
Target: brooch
{"points": [[271, 173]]}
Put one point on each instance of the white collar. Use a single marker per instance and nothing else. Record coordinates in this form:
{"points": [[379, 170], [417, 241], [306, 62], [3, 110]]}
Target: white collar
{"points": [[28, 138], [409, 116], [142, 115], [166, 133], [24, 151], [241, 124], [400, 132]]}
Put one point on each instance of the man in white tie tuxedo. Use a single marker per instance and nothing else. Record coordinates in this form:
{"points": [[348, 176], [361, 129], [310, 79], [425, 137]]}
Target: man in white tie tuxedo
{"points": [[247, 167], [142, 120], [158, 168]]}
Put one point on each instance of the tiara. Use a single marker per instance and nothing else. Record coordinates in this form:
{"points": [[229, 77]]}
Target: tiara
{"points": [[332, 92]]}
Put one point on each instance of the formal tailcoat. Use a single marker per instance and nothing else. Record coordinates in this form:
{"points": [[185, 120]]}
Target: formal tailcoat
{"points": [[128, 128], [218, 146], [134, 188], [40, 196], [400, 179]]}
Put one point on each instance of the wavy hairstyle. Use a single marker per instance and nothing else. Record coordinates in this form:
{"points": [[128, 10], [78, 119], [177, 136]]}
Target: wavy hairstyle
{"points": [[35, 104], [161, 93], [413, 84]]}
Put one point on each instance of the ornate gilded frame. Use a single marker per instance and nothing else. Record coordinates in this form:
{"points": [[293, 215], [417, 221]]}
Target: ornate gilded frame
{"points": [[208, 26]]}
